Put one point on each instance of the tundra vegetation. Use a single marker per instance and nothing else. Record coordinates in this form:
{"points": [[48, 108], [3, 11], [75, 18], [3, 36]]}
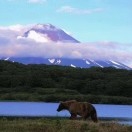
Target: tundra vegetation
{"points": [[50, 83], [59, 125]]}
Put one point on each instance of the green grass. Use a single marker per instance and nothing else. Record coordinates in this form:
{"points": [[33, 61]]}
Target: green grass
{"points": [[58, 125], [57, 94]]}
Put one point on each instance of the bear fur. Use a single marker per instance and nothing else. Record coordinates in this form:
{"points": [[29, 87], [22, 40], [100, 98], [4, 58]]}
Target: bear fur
{"points": [[83, 109]]}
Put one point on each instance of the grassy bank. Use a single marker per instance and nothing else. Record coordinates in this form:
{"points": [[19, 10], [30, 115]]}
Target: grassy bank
{"points": [[58, 125], [57, 94]]}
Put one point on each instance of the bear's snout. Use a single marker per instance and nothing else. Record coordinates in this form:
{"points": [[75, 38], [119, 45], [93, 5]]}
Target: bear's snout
{"points": [[58, 110]]}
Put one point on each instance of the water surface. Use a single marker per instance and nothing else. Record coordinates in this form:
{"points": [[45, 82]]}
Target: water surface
{"points": [[122, 113]]}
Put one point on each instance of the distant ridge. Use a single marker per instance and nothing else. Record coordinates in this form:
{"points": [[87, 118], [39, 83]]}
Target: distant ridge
{"points": [[82, 63]]}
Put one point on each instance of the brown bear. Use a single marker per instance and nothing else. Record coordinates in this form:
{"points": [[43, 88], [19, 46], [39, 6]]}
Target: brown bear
{"points": [[83, 109]]}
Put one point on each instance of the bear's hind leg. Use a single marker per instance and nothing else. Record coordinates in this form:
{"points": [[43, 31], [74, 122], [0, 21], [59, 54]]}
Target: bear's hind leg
{"points": [[85, 116], [94, 117], [73, 116]]}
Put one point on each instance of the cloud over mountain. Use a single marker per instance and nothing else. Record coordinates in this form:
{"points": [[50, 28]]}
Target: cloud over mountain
{"points": [[22, 47]]}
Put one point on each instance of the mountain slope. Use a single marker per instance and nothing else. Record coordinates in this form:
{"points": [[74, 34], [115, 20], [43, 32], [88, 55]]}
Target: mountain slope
{"points": [[48, 33], [82, 63]]}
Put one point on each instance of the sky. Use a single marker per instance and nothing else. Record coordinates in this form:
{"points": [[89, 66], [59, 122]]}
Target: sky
{"points": [[103, 26]]}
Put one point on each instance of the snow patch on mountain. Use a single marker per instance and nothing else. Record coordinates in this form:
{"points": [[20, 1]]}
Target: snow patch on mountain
{"points": [[6, 59], [87, 62], [114, 62], [58, 62], [73, 66], [96, 63], [51, 60]]}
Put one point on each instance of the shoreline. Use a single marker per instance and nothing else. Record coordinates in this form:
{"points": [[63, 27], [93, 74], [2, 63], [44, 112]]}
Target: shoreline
{"points": [[59, 125], [119, 120]]}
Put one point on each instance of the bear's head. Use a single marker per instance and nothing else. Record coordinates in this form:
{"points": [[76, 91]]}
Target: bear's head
{"points": [[61, 106]]}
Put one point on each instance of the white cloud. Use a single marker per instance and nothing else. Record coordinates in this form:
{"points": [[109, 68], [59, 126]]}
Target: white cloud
{"points": [[38, 37], [37, 1], [30, 1], [11, 46], [69, 9]]}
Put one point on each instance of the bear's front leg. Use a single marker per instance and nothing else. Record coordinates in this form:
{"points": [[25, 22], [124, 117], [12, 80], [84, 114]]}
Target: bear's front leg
{"points": [[73, 116]]}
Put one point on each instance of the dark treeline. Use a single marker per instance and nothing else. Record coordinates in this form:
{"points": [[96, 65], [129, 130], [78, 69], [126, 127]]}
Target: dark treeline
{"points": [[27, 82]]}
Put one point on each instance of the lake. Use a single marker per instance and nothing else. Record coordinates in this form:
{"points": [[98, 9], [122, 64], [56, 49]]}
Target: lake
{"points": [[120, 113]]}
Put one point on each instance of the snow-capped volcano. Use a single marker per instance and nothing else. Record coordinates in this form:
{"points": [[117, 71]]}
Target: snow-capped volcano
{"points": [[48, 33], [49, 51]]}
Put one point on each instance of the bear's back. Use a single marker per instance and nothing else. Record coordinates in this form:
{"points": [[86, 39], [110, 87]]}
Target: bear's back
{"points": [[80, 107]]}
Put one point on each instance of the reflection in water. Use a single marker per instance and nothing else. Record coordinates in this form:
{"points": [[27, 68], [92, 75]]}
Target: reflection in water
{"points": [[123, 113]]}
